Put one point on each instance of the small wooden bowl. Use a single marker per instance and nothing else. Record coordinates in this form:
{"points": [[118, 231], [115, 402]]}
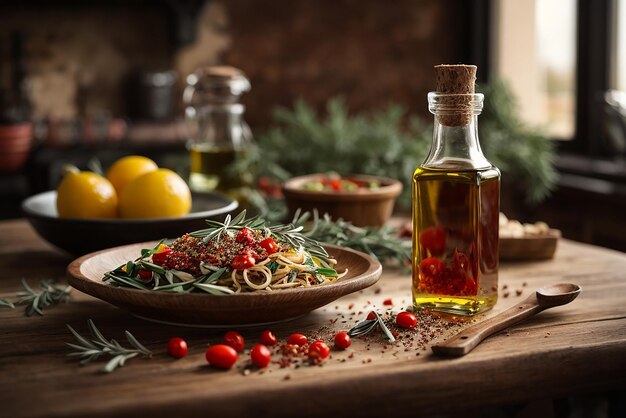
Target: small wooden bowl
{"points": [[194, 309], [532, 247], [363, 207]]}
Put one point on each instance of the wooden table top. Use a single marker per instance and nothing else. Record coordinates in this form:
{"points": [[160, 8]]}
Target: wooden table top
{"points": [[573, 349]]}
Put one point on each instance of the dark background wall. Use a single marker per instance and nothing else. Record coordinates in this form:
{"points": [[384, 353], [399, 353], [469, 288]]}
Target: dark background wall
{"points": [[372, 52]]}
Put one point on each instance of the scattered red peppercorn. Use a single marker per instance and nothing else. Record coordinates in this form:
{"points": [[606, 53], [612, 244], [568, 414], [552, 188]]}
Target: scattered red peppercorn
{"points": [[388, 302], [260, 355], [318, 350], [268, 338], [235, 340], [371, 316], [221, 356], [406, 320], [297, 339], [245, 236], [177, 347], [342, 340]]}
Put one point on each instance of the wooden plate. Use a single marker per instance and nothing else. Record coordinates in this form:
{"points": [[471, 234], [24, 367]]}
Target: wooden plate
{"points": [[82, 236], [85, 274], [539, 247]]}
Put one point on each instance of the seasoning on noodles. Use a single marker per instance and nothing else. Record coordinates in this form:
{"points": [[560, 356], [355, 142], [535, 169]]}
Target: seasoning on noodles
{"points": [[237, 256]]}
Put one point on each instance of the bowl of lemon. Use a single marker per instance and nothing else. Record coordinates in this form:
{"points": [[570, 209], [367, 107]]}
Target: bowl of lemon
{"points": [[134, 201]]}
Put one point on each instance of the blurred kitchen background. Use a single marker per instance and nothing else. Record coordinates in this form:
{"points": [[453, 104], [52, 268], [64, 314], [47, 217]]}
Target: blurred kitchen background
{"points": [[102, 79]]}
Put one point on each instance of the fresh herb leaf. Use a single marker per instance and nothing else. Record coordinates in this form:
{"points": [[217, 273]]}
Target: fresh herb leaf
{"points": [[367, 325], [382, 243], [363, 327], [36, 301], [273, 266], [97, 345], [5, 303]]}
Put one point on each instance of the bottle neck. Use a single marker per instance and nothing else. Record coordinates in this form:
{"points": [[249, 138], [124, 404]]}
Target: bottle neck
{"points": [[456, 147]]}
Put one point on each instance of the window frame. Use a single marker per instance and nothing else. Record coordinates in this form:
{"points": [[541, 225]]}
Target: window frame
{"points": [[594, 21]]}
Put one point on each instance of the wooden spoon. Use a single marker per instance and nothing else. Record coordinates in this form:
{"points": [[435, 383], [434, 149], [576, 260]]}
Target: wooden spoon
{"points": [[544, 298]]}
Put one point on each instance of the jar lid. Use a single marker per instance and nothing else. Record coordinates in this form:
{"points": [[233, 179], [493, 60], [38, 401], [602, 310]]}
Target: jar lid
{"points": [[221, 81]]}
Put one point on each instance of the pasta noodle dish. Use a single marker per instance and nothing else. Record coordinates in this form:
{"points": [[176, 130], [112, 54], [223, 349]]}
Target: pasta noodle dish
{"points": [[238, 256]]}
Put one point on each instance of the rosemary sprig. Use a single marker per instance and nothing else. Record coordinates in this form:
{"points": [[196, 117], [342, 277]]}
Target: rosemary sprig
{"points": [[289, 233], [36, 301], [382, 243], [5, 303], [91, 349], [216, 229], [367, 325]]}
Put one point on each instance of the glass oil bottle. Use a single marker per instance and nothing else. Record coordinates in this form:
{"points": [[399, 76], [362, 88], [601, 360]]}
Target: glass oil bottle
{"points": [[219, 135], [456, 200]]}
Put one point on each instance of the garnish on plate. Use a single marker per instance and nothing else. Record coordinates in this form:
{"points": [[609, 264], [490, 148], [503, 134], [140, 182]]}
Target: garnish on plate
{"points": [[237, 256]]}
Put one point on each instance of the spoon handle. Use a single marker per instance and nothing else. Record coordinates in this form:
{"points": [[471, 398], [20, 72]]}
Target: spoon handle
{"points": [[463, 342]]}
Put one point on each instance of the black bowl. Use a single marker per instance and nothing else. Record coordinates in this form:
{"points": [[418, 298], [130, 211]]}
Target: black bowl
{"points": [[82, 236]]}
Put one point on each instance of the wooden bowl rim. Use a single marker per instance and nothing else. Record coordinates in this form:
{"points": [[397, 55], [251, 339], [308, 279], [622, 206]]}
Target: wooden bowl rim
{"points": [[34, 214], [389, 188], [87, 285]]}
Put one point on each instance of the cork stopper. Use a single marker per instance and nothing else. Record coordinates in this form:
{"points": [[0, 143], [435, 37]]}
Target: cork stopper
{"points": [[455, 80]]}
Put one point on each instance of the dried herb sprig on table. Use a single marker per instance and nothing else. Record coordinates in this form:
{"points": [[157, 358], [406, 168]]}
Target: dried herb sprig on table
{"points": [[36, 301], [368, 325], [382, 243], [5, 303], [91, 349]]}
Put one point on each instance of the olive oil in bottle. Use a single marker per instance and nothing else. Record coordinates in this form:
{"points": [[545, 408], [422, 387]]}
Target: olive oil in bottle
{"points": [[456, 203], [219, 135]]}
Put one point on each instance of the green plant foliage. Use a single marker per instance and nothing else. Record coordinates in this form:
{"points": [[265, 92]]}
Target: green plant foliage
{"points": [[391, 143], [376, 144]]}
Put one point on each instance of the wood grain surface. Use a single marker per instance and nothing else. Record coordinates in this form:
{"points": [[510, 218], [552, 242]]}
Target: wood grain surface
{"points": [[573, 349]]}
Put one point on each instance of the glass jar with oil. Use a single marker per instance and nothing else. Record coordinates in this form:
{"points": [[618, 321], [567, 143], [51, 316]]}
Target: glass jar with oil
{"points": [[219, 137], [456, 203]]}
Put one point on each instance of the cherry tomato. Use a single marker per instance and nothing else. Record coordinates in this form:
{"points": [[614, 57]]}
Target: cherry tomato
{"points": [[431, 267], [234, 339], [318, 350], [388, 302], [245, 236], [144, 275], [297, 339], [371, 316], [177, 347], [268, 338], [269, 245], [335, 184], [434, 239], [342, 340], [406, 320], [260, 355], [160, 256], [242, 262], [221, 356]]}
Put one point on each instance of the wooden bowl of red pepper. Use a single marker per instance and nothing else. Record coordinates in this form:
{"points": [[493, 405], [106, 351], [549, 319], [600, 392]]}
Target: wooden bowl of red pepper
{"points": [[360, 199]]}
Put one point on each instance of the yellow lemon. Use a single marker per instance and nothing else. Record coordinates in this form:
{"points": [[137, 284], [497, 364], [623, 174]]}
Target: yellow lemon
{"points": [[83, 194], [127, 169], [157, 194]]}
